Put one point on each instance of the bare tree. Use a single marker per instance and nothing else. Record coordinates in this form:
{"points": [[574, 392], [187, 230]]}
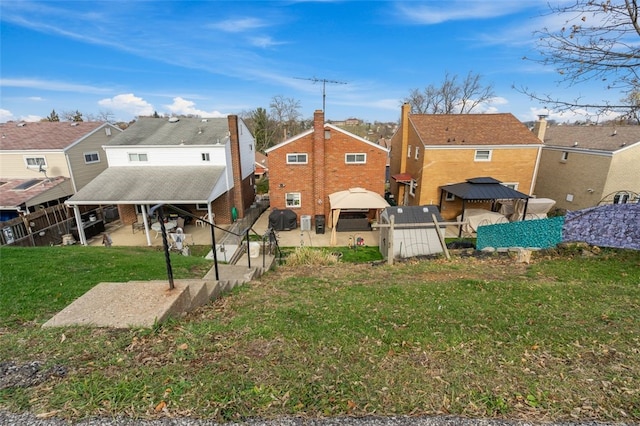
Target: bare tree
{"points": [[597, 41], [106, 115], [452, 96], [286, 113]]}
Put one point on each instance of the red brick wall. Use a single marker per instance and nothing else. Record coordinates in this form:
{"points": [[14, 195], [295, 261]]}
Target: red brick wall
{"points": [[338, 176]]}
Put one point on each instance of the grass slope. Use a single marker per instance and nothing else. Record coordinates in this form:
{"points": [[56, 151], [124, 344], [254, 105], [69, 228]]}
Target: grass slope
{"points": [[479, 337]]}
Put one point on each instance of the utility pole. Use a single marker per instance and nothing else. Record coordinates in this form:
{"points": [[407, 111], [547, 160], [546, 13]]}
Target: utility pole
{"points": [[324, 82]]}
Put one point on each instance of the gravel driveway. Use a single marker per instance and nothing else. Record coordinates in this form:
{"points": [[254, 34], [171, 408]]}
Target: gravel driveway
{"points": [[30, 420]]}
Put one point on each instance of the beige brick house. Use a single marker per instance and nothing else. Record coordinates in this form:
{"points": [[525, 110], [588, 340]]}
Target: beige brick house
{"points": [[583, 166], [305, 169], [429, 151]]}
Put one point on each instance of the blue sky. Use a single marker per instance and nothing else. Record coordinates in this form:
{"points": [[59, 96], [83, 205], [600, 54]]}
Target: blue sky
{"points": [[214, 58]]}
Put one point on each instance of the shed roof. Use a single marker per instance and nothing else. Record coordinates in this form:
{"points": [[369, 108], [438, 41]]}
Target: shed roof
{"points": [[413, 214], [483, 188]]}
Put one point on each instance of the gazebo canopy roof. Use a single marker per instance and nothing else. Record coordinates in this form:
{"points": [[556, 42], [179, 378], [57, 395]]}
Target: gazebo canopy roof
{"points": [[357, 198], [483, 188]]}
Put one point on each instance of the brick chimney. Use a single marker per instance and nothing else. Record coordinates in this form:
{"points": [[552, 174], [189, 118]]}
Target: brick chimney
{"points": [[540, 127], [318, 161], [236, 165], [404, 128]]}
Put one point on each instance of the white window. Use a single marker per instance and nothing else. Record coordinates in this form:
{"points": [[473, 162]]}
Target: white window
{"points": [[409, 152], [355, 158], [483, 155], [449, 197], [564, 157], [292, 199], [512, 185], [417, 153], [35, 162], [91, 157], [296, 158], [412, 187], [137, 157], [200, 206], [205, 156]]}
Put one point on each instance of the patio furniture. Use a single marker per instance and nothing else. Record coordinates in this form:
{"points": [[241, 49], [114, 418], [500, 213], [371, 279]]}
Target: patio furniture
{"points": [[172, 224], [205, 218]]}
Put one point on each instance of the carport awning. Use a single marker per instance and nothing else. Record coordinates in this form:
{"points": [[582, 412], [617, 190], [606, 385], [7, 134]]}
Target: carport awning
{"points": [[152, 185]]}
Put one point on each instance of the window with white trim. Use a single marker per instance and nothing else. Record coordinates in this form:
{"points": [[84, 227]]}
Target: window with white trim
{"points": [[35, 162], [201, 206], [296, 158], [205, 156], [356, 158], [293, 199], [512, 185], [449, 197], [483, 155], [417, 155], [412, 187], [91, 157], [409, 152], [135, 156], [564, 157]]}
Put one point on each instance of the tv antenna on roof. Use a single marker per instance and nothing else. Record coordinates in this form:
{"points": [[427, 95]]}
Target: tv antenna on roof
{"points": [[324, 82]]}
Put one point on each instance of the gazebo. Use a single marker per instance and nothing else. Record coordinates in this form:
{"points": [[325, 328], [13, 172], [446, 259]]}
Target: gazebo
{"points": [[483, 189], [353, 198]]}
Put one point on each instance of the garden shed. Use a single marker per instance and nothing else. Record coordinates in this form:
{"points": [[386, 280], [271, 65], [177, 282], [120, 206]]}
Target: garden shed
{"points": [[414, 232]]}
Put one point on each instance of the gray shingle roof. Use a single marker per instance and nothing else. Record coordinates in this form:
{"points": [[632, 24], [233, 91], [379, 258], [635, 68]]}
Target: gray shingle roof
{"points": [[185, 131], [146, 185], [601, 138]]}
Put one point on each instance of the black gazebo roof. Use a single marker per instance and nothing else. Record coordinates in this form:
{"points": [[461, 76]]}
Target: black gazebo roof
{"points": [[483, 188]]}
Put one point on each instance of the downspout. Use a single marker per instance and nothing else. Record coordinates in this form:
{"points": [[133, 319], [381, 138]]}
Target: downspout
{"points": [[71, 175]]}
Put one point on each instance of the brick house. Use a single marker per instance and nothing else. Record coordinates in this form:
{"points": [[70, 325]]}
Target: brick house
{"points": [[203, 166], [305, 169], [583, 166], [44, 163], [429, 151]]}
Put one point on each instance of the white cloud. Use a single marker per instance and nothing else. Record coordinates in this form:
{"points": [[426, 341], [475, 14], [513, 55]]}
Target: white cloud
{"points": [[264, 42], [128, 103], [239, 25], [436, 13], [57, 86], [5, 115], [31, 118], [182, 106]]}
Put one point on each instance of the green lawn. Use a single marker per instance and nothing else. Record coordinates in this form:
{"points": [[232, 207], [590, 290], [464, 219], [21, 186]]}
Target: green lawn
{"points": [[557, 339]]}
